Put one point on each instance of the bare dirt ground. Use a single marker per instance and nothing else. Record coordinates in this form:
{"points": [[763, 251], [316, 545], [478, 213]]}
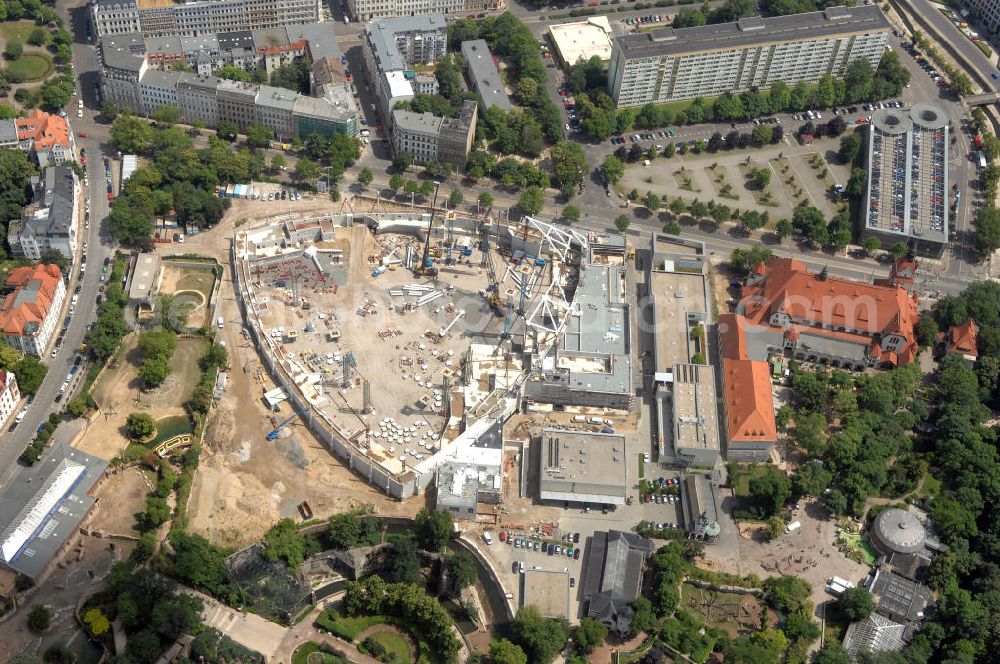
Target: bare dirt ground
{"points": [[244, 484], [117, 394], [124, 496], [103, 436], [810, 553]]}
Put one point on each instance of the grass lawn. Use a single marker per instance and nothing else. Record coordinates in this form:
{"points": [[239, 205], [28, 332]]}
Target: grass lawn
{"points": [[931, 486], [394, 644], [32, 66], [16, 30], [301, 654], [740, 476], [859, 545], [348, 628]]}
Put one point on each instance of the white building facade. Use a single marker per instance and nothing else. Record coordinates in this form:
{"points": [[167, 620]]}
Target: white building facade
{"points": [[667, 65]]}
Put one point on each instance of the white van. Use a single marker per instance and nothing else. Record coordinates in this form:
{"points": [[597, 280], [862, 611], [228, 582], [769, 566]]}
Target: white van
{"points": [[793, 526], [221, 322], [488, 537]]}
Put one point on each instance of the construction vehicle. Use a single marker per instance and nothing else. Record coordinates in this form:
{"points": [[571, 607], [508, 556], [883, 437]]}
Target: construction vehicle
{"points": [[426, 267], [273, 435]]}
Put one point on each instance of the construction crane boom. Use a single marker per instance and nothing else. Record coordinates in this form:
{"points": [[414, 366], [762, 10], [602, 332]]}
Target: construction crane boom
{"points": [[273, 435], [426, 265]]}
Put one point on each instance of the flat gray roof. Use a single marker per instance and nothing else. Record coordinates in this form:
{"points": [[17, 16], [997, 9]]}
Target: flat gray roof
{"points": [[484, 74], [123, 51], [421, 122], [43, 505], [160, 78], [582, 466], [337, 103], [753, 31], [143, 276], [696, 422], [321, 37], [280, 98], [595, 346], [675, 295]]}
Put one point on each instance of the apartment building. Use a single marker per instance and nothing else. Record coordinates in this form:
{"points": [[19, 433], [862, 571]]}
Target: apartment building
{"points": [[196, 98], [426, 137], [157, 89], [9, 396], [988, 12], [46, 137], [274, 108], [392, 47], [369, 10], [32, 309], [51, 221], [668, 64], [163, 18]]}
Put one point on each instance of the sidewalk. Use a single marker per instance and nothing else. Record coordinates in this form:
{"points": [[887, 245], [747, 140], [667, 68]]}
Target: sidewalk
{"points": [[304, 632]]}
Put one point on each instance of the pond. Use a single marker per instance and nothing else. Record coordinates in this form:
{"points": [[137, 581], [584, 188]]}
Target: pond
{"points": [[168, 427]]}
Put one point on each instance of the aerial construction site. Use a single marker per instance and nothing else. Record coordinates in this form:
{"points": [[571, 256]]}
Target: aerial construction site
{"points": [[404, 340]]}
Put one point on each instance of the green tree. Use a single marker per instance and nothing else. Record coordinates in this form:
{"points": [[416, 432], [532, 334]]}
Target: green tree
{"points": [[258, 137], [461, 571], [30, 372], [143, 647], [129, 134], [761, 177], [307, 170], [278, 162], [588, 635], [926, 331], [770, 491], [775, 527], [403, 562], [396, 182], [365, 178], [283, 542], [166, 115], [455, 199], [140, 425], [39, 618], [788, 594], [571, 213], [569, 163], [485, 200], [612, 169], [856, 604], [352, 529], [227, 130], [652, 201], [677, 207], [850, 147], [987, 238], [531, 200], [231, 73], [540, 638], [433, 528], [671, 227], [14, 50], [622, 222], [643, 618], [831, 653], [39, 36], [503, 651], [872, 244], [898, 250], [743, 259]]}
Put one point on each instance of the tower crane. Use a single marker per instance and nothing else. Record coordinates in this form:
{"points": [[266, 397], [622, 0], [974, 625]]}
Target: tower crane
{"points": [[426, 267]]}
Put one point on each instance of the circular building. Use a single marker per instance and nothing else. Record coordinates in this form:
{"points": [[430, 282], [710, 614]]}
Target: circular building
{"points": [[897, 531]]}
